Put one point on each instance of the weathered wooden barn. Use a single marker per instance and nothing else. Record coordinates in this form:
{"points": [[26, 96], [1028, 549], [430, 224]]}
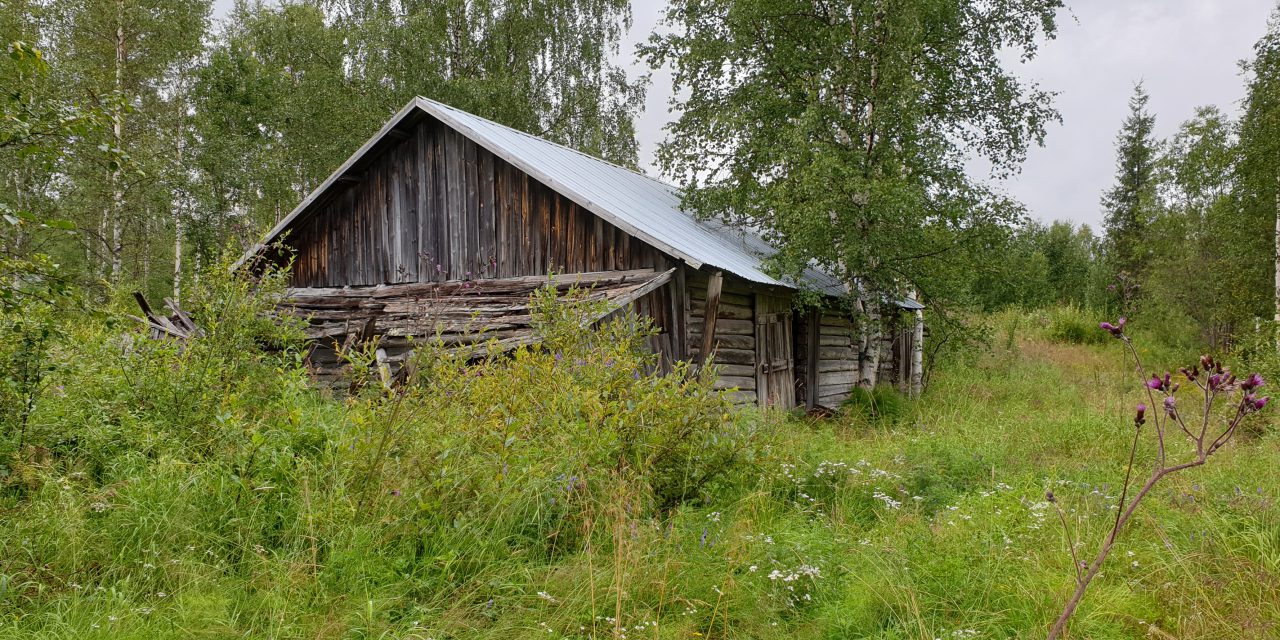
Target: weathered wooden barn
{"points": [[443, 223]]}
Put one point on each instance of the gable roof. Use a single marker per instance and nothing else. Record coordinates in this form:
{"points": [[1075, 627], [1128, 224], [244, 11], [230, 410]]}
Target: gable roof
{"points": [[641, 206]]}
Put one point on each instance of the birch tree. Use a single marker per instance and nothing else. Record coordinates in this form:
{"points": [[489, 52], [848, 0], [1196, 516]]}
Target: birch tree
{"points": [[292, 90], [841, 129], [1258, 168], [121, 54]]}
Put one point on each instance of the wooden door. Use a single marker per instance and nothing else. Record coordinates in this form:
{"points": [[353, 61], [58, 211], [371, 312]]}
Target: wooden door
{"points": [[775, 362]]}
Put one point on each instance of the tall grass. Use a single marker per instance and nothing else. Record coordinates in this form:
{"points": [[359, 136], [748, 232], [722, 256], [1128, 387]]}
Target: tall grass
{"points": [[569, 492]]}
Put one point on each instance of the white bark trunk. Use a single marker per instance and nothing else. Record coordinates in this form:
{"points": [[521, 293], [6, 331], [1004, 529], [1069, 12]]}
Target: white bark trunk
{"points": [[917, 350], [1277, 318], [181, 203], [146, 247], [177, 260], [870, 347], [115, 219]]}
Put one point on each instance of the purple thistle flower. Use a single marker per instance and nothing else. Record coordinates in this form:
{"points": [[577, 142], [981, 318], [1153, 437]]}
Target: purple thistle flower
{"points": [[1169, 407], [1261, 403], [1141, 417], [1252, 382], [1116, 330], [1155, 383]]}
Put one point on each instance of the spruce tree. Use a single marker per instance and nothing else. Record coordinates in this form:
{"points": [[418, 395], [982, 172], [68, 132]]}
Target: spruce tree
{"points": [[1131, 204]]}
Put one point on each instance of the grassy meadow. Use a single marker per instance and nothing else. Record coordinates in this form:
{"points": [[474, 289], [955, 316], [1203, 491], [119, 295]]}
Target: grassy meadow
{"points": [[205, 491]]}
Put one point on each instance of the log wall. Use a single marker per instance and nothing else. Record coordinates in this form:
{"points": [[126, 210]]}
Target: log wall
{"points": [[829, 377], [734, 347]]}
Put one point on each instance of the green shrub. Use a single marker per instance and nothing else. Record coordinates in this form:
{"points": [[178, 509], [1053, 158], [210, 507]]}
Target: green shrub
{"points": [[1072, 325], [881, 403]]}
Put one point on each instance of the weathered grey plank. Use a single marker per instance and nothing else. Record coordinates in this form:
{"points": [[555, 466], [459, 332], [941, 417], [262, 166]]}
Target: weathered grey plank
{"points": [[711, 313]]}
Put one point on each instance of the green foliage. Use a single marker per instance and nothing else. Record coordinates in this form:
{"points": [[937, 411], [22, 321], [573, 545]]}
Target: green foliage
{"points": [[117, 392], [574, 488], [289, 91], [35, 131], [584, 393], [1248, 232], [28, 331], [1072, 325], [882, 403], [1042, 266], [184, 135], [418, 491], [841, 130]]}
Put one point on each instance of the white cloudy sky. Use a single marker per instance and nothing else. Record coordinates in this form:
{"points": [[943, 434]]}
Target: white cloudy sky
{"points": [[1186, 51]]}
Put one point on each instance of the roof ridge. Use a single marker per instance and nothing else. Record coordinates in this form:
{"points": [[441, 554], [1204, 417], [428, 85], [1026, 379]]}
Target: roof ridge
{"points": [[550, 142]]}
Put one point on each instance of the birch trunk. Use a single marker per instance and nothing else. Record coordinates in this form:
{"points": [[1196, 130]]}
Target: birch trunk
{"points": [[146, 247], [917, 349], [177, 260], [1277, 318], [115, 217], [181, 203], [869, 349]]}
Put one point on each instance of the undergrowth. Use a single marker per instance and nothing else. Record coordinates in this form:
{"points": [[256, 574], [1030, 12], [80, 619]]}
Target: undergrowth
{"points": [[574, 490]]}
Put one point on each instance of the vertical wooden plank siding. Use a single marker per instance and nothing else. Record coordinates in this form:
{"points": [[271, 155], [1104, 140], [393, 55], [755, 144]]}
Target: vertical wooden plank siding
{"points": [[428, 193]]}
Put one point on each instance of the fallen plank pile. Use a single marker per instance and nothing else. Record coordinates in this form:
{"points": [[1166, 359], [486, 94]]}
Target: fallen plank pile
{"points": [[453, 313], [176, 325]]}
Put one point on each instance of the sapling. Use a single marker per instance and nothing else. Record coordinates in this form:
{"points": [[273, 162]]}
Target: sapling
{"points": [[1193, 421]]}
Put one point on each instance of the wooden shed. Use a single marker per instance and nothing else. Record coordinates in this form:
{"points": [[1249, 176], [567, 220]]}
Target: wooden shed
{"points": [[443, 223]]}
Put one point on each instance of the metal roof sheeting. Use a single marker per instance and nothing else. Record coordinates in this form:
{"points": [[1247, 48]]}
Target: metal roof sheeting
{"points": [[647, 208], [644, 207]]}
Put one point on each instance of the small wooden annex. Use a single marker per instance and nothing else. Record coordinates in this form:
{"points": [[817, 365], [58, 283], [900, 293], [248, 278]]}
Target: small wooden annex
{"points": [[443, 223]]}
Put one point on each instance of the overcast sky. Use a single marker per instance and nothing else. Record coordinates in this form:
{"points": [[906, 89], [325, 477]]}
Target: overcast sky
{"points": [[1186, 51]]}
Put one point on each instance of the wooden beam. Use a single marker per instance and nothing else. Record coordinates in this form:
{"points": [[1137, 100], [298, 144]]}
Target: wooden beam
{"points": [[762, 381], [709, 316], [813, 350], [564, 281], [645, 289]]}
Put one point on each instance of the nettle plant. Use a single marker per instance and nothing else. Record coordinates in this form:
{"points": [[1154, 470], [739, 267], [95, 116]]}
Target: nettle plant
{"points": [[1207, 422]]}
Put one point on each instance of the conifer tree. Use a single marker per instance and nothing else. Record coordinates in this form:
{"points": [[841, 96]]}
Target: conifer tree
{"points": [[1131, 204]]}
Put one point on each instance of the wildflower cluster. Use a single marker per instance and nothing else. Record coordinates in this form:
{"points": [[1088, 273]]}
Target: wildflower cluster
{"points": [[1215, 382], [794, 586]]}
